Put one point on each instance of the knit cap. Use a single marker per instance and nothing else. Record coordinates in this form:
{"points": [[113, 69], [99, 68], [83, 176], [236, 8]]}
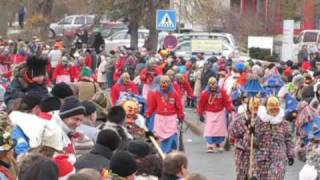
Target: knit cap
{"points": [[71, 107], [123, 164]]}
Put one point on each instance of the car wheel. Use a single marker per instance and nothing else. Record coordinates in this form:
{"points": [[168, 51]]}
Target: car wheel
{"points": [[52, 34]]}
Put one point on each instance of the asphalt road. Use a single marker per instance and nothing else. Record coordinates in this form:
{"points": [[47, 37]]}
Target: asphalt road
{"points": [[217, 166]]}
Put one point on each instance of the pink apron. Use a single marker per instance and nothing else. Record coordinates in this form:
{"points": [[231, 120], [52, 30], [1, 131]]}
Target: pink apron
{"points": [[145, 90], [165, 126], [215, 124], [63, 78]]}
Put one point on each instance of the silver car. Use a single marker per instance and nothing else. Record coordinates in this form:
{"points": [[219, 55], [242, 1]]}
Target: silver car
{"points": [[69, 24]]}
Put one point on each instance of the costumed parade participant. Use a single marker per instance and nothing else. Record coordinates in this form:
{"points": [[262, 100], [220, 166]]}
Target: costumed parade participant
{"points": [[306, 114], [211, 109], [147, 75], [274, 146], [239, 135], [124, 84], [242, 129], [166, 104], [183, 87], [135, 122]]}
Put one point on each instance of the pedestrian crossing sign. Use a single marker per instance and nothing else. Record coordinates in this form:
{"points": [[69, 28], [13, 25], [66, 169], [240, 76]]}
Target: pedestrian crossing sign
{"points": [[166, 20]]}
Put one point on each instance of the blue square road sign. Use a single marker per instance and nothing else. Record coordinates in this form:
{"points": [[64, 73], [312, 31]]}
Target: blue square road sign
{"points": [[166, 20]]}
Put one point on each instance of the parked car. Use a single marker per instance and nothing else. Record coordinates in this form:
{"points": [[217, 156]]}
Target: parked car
{"points": [[69, 24], [122, 38], [184, 49]]}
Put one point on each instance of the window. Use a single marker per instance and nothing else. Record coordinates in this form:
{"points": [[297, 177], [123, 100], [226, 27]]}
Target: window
{"points": [[79, 20], [67, 20], [90, 19], [310, 37], [186, 47], [118, 36]]}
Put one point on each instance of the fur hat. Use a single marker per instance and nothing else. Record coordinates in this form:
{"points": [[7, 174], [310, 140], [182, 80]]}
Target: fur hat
{"points": [[62, 90], [36, 66], [123, 164]]}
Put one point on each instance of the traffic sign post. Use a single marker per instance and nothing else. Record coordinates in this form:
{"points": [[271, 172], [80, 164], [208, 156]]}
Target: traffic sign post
{"points": [[166, 20]]}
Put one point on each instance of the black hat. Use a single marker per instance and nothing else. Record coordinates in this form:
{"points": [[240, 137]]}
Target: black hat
{"points": [[123, 164], [90, 107], [49, 104], [71, 107], [139, 148], [109, 139], [116, 114], [29, 101], [289, 63], [37, 66], [307, 93], [62, 90]]}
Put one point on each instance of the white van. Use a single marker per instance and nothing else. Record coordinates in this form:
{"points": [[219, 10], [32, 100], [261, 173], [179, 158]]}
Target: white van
{"points": [[310, 39]]}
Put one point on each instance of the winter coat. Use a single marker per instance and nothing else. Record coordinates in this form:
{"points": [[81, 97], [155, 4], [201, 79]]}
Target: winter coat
{"points": [[220, 100], [98, 158], [21, 85], [183, 88], [125, 136], [120, 87], [90, 131], [197, 85], [147, 76], [157, 103], [87, 89], [62, 70], [102, 69], [239, 132], [273, 139]]}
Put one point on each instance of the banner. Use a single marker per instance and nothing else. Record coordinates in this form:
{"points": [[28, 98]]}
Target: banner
{"points": [[206, 45]]}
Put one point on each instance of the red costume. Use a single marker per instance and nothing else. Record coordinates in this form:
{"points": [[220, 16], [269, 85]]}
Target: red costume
{"points": [[63, 70], [147, 76], [214, 103], [119, 68], [159, 104], [183, 87], [120, 87], [88, 60]]}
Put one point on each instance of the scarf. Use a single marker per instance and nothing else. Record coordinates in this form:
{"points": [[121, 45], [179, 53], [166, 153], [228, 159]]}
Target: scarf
{"points": [[265, 117]]}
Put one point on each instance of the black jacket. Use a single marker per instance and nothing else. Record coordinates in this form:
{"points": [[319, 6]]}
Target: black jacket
{"points": [[169, 177], [98, 158]]}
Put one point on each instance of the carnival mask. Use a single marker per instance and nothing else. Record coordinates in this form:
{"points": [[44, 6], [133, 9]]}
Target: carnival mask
{"points": [[213, 85], [165, 83], [253, 105], [125, 78], [132, 109], [273, 106]]}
